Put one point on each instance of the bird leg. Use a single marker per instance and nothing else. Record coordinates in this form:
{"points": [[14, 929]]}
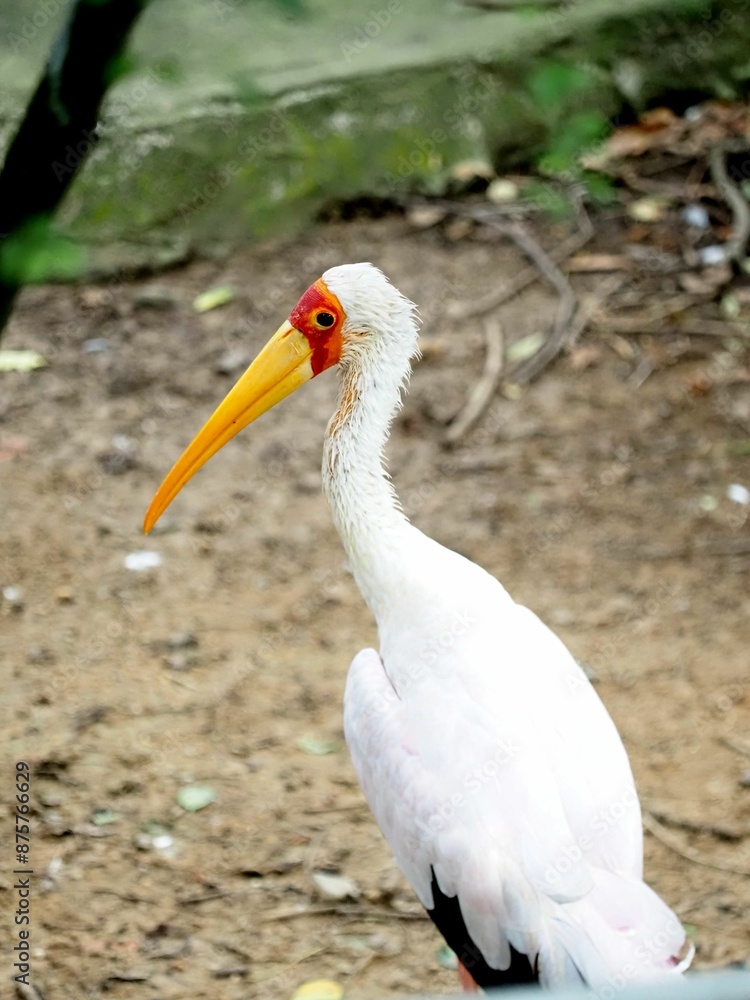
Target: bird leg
{"points": [[468, 985]]}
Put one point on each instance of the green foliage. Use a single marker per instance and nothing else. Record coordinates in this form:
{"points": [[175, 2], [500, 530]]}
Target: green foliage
{"points": [[579, 132], [549, 199], [36, 253], [121, 65], [554, 84], [601, 188], [567, 101]]}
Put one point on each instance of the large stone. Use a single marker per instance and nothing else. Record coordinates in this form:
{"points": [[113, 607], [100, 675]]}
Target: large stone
{"points": [[239, 120]]}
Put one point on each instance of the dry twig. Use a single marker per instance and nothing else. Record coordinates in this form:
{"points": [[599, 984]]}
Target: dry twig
{"points": [[528, 370], [484, 388], [527, 275], [741, 748], [718, 830], [663, 835], [736, 248], [126, 897], [659, 551], [589, 305], [647, 322], [356, 912]]}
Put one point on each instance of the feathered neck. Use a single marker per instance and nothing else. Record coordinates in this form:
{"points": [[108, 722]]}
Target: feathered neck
{"points": [[365, 507]]}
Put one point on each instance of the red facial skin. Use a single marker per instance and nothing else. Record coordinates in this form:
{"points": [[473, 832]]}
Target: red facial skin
{"points": [[326, 341]]}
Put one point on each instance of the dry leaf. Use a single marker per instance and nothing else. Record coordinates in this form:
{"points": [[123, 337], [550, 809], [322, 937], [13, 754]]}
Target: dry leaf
{"points": [[599, 262], [581, 358], [319, 989]]}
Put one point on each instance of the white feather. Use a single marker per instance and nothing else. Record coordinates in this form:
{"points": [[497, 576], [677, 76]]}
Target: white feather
{"points": [[481, 747]]}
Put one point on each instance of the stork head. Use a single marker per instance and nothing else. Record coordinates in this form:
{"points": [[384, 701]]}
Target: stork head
{"points": [[350, 313]]}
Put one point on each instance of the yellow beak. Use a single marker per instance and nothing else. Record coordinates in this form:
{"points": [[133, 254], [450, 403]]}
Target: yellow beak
{"points": [[281, 367]]}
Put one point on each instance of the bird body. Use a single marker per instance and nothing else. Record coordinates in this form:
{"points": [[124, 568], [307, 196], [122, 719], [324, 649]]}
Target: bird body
{"points": [[488, 760]]}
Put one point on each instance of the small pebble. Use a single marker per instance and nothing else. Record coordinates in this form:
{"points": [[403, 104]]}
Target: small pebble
{"points": [[501, 191], [38, 655], [14, 596], [182, 661], [696, 216], [64, 595], [331, 885], [143, 560], [738, 493], [182, 640], [715, 254], [96, 345]]}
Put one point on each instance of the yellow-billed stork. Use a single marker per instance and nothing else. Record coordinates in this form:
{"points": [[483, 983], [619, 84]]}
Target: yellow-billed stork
{"points": [[489, 762]]}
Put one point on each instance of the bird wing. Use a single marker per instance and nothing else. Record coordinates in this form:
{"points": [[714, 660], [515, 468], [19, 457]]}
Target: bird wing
{"points": [[510, 787]]}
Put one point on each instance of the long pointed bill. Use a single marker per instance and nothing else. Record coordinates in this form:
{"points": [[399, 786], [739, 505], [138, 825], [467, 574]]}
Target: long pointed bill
{"points": [[282, 366]]}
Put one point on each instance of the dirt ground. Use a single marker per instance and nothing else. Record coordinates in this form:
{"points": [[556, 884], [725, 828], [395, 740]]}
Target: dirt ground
{"points": [[600, 503]]}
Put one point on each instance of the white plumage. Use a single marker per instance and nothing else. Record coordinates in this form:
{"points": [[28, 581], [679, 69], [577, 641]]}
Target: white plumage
{"points": [[481, 747], [489, 762]]}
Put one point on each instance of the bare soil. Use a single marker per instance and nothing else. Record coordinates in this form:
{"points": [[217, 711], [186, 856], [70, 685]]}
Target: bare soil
{"points": [[599, 504]]}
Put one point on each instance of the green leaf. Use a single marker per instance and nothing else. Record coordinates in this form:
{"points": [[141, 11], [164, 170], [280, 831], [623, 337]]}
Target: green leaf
{"points": [[36, 254], [103, 817], [525, 347], [447, 957], [601, 189], [21, 361], [191, 798], [119, 66], [555, 82], [316, 747], [213, 298], [549, 199]]}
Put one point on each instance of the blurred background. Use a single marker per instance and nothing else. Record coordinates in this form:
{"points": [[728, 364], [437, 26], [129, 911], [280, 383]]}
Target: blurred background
{"points": [[563, 189]]}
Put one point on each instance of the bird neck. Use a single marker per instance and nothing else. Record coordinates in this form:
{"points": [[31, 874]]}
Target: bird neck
{"points": [[365, 507]]}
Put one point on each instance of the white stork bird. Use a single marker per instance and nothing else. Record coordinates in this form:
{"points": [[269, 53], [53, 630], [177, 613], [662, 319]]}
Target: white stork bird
{"points": [[489, 762]]}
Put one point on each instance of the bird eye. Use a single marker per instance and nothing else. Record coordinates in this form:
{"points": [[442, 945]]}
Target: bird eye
{"points": [[324, 319]]}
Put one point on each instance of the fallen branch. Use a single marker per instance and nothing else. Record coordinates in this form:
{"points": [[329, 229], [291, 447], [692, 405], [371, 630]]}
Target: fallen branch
{"points": [[589, 305], [736, 247], [718, 830], [357, 912], [525, 277], [663, 835], [528, 370], [657, 552], [484, 388], [649, 324]]}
